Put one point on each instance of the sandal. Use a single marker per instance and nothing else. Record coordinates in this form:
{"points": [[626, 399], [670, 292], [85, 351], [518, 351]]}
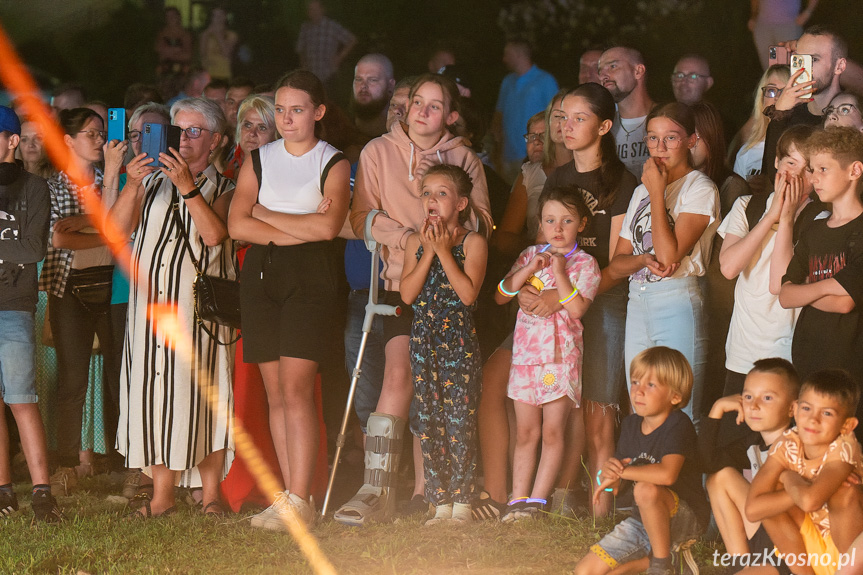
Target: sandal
{"points": [[214, 508], [487, 509], [148, 512]]}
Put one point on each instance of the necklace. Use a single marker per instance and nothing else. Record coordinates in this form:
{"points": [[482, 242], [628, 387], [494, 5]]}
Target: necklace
{"points": [[630, 132], [547, 246]]}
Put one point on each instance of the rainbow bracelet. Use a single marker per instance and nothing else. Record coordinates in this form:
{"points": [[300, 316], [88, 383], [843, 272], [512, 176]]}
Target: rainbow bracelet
{"points": [[503, 290], [569, 298]]}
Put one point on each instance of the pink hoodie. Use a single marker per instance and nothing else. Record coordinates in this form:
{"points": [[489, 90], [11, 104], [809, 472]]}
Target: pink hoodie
{"points": [[387, 179]]}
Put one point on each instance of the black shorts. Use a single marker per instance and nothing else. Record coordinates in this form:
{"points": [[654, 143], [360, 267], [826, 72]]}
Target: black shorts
{"points": [[395, 326], [288, 301]]}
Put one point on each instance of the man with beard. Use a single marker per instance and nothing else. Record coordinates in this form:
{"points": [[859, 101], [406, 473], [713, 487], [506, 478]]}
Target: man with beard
{"points": [[803, 103], [373, 88], [623, 73]]}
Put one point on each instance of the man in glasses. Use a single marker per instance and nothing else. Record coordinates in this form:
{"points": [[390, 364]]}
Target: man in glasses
{"points": [[804, 103], [691, 79]]}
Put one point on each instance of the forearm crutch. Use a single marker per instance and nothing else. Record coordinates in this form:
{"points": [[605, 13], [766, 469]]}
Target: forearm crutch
{"points": [[373, 308]]}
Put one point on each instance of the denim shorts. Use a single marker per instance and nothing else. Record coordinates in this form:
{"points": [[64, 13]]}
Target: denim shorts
{"points": [[603, 373], [17, 357], [628, 540]]}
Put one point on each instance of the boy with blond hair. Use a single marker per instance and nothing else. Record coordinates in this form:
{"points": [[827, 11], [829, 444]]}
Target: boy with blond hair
{"points": [[657, 453], [825, 276], [802, 494], [765, 406]]}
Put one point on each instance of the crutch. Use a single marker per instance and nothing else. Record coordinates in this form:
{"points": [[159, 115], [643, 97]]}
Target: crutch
{"points": [[373, 308]]}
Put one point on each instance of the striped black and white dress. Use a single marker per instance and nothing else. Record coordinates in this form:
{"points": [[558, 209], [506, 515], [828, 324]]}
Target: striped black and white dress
{"points": [[164, 416]]}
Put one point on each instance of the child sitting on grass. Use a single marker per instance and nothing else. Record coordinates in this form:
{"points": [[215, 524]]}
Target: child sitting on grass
{"points": [[802, 495], [657, 452], [766, 407]]}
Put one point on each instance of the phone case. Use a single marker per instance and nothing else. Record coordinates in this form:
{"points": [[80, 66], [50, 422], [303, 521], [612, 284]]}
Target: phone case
{"points": [[157, 138], [116, 124], [777, 55], [802, 61]]}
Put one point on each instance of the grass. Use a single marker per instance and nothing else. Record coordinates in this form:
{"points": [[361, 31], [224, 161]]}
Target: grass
{"points": [[95, 539]]}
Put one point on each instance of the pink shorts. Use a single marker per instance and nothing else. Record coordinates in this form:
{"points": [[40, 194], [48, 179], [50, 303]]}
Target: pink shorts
{"points": [[539, 384]]}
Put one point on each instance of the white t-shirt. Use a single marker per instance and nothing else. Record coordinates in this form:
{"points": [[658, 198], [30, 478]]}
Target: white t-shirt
{"points": [[759, 326], [292, 184], [694, 193], [748, 162], [629, 134]]}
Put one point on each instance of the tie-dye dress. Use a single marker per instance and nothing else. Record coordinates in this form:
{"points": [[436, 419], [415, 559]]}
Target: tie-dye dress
{"points": [[546, 351]]}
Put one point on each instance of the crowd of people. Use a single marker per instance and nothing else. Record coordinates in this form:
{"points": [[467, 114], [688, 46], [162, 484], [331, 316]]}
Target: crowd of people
{"points": [[572, 299]]}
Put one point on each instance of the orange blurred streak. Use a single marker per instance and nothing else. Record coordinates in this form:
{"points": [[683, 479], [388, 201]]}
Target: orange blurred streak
{"points": [[165, 317]]}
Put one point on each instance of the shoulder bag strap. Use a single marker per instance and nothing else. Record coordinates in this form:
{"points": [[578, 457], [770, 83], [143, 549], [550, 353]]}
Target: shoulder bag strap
{"points": [[338, 157], [256, 164]]}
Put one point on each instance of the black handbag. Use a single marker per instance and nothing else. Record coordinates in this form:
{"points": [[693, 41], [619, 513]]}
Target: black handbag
{"points": [[217, 299], [92, 287]]}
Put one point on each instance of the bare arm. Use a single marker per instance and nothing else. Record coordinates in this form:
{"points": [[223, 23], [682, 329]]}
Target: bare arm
{"points": [[577, 306], [508, 237], [663, 473], [415, 271], [799, 295], [766, 496], [241, 224], [317, 226], [811, 496]]}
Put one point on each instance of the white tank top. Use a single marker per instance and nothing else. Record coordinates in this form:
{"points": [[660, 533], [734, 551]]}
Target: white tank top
{"points": [[292, 184]]}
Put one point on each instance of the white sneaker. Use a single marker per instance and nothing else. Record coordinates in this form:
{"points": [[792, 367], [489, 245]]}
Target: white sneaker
{"points": [[269, 518], [462, 513], [297, 507], [442, 514]]}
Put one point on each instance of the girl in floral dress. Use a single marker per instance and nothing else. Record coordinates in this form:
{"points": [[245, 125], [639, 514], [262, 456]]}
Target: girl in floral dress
{"points": [[443, 270]]}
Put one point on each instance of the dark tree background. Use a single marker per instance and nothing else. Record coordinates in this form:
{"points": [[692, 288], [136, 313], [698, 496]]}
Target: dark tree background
{"points": [[116, 51]]}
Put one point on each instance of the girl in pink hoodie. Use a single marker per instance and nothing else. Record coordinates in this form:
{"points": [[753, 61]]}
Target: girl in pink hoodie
{"points": [[388, 178]]}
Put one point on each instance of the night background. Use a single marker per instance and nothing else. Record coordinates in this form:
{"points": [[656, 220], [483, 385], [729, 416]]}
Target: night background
{"points": [[105, 45]]}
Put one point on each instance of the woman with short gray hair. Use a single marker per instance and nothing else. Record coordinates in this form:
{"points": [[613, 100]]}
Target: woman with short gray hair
{"points": [[169, 425]]}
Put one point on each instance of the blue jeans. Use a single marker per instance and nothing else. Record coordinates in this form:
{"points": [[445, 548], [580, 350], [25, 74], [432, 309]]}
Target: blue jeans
{"points": [[372, 374], [603, 377], [17, 357], [669, 313]]}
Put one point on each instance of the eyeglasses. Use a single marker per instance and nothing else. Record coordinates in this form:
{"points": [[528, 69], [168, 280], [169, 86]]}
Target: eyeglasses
{"points": [[689, 77], [94, 134], [193, 132], [530, 138], [771, 92], [841, 109], [134, 135], [250, 127], [671, 142]]}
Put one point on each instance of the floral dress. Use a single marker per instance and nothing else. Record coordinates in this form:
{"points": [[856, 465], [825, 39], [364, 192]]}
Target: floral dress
{"points": [[447, 373], [546, 351]]}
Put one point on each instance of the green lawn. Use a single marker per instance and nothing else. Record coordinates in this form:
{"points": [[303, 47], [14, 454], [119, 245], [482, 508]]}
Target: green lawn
{"points": [[95, 539]]}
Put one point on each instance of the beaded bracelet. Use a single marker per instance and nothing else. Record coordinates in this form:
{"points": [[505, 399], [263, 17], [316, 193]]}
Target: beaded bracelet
{"points": [[504, 291], [569, 298]]}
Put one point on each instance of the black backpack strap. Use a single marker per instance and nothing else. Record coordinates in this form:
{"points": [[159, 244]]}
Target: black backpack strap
{"points": [[256, 164], [755, 209], [337, 157]]}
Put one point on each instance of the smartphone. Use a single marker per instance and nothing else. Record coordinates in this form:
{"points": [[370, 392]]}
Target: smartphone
{"points": [[157, 138], [116, 124], [802, 62], [777, 55]]}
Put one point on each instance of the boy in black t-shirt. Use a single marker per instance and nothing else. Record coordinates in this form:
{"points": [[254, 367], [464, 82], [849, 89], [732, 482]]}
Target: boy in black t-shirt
{"points": [[658, 452], [825, 276]]}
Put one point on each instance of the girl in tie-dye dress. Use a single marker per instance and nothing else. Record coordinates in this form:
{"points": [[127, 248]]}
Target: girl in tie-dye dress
{"points": [[545, 377]]}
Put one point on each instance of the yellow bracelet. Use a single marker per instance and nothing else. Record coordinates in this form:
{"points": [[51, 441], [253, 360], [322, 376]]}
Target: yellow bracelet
{"points": [[568, 298], [504, 291]]}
